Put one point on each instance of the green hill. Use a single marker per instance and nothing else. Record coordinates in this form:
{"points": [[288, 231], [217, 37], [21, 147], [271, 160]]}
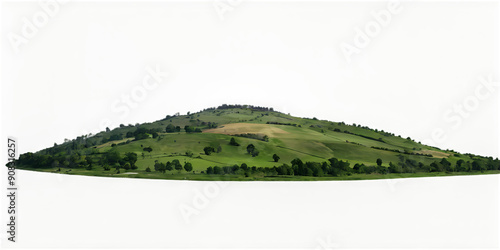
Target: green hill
{"points": [[284, 148]]}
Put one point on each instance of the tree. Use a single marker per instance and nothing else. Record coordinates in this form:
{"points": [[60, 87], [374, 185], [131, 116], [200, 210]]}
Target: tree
{"points": [[188, 129], [177, 165], [107, 129], [356, 168], [393, 168], [188, 167], [379, 162], [446, 165], [168, 166], [250, 148], [112, 157], [233, 142], [126, 166], [170, 128], [218, 170], [162, 167], [276, 158], [141, 136], [210, 170], [88, 167], [189, 153], [434, 167], [479, 165], [208, 150], [244, 166], [459, 165], [255, 152], [131, 158]]}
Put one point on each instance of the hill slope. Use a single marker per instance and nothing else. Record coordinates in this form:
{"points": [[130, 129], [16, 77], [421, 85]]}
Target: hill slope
{"points": [[202, 141]]}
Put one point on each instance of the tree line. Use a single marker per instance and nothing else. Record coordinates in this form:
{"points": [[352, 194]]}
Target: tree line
{"points": [[335, 167]]}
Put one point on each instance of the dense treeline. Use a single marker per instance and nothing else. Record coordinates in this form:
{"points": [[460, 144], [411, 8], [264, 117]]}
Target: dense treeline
{"points": [[143, 133], [335, 167], [108, 160], [238, 106], [402, 151], [281, 123], [260, 137]]}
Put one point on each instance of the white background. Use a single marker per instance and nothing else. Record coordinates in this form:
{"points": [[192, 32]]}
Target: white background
{"points": [[71, 75], [76, 211]]}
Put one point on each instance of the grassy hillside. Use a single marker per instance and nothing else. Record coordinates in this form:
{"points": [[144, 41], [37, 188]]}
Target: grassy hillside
{"points": [[319, 144]]}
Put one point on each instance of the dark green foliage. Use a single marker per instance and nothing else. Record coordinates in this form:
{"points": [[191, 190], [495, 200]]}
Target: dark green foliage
{"points": [[168, 166], [208, 150], [394, 168], [143, 133], [446, 165], [88, 167], [255, 152], [276, 158], [479, 165], [147, 149], [126, 166], [177, 165], [141, 136], [379, 162], [148, 169], [244, 166], [218, 170], [254, 136], [170, 128], [252, 150], [284, 169], [210, 170], [160, 167], [131, 158], [112, 157], [381, 169], [188, 167], [435, 167], [233, 142], [339, 168], [113, 137]]}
